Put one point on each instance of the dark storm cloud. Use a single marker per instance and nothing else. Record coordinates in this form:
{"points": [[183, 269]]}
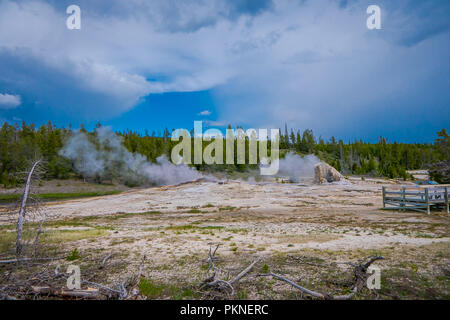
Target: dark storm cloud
{"points": [[408, 23], [267, 62]]}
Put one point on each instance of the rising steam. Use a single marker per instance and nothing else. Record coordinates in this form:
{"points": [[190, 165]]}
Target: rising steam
{"points": [[105, 157], [298, 168]]}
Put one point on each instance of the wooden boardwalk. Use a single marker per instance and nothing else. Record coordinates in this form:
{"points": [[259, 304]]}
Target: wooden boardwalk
{"points": [[417, 198]]}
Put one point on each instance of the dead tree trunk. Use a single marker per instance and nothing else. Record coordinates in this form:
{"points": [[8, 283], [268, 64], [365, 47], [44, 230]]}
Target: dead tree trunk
{"points": [[23, 205]]}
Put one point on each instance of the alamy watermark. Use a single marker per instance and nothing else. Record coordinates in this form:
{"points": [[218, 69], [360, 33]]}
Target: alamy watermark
{"points": [[374, 20], [374, 280], [74, 276], [73, 22], [74, 280], [235, 147]]}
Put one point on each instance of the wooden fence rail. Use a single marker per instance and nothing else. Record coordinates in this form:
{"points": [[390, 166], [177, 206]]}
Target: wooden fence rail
{"points": [[417, 198]]}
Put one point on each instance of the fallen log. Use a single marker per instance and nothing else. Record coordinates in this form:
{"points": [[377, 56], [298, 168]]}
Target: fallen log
{"points": [[211, 281], [360, 275], [28, 259], [63, 293]]}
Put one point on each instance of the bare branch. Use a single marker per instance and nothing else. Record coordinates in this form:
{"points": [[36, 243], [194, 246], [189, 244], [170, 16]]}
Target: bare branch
{"points": [[27, 259], [360, 273], [212, 282], [104, 260], [302, 289], [21, 217], [245, 271], [83, 294]]}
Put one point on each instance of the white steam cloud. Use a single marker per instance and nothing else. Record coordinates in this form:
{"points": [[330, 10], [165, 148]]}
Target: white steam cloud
{"points": [[105, 156], [298, 168]]}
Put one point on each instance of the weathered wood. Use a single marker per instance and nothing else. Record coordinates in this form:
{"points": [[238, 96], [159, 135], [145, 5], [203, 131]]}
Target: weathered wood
{"points": [[27, 259], [417, 198], [82, 294], [446, 200], [403, 198], [104, 260], [302, 289], [360, 273], [23, 204], [211, 281], [4, 296], [245, 271]]}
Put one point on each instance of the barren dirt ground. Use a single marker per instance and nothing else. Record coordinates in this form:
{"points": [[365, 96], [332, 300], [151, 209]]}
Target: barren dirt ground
{"points": [[306, 233]]}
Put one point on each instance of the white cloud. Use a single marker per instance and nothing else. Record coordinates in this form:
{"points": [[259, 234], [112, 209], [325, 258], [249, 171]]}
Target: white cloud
{"points": [[306, 62], [9, 101], [205, 113]]}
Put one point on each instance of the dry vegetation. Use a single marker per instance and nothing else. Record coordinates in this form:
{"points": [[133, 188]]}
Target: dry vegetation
{"points": [[308, 234]]}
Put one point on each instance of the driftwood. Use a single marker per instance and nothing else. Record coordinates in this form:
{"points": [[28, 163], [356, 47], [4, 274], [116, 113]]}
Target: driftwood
{"points": [[4, 296], [102, 265], [212, 282], [359, 272], [50, 274], [245, 271], [27, 260], [134, 290], [63, 293], [360, 278], [119, 293], [23, 204]]}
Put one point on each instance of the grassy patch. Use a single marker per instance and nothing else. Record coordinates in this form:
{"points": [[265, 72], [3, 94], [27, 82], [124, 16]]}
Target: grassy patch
{"points": [[153, 290], [227, 208], [192, 227], [8, 239], [124, 215], [150, 289], [194, 211], [242, 295], [74, 255], [57, 236], [265, 268], [8, 198]]}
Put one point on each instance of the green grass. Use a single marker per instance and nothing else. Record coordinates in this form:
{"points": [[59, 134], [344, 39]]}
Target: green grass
{"points": [[8, 198], [194, 211], [227, 208], [265, 268], [192, 227], [118, 216], [74, 255], [241, 295], [7, 239], [56, 236], [153, 290]]}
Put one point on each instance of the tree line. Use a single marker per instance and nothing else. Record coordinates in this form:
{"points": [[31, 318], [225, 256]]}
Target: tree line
{"points": [[20, 144], [384, 158]]}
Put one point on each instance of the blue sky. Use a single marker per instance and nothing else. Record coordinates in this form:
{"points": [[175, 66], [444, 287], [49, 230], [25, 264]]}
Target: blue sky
{"points": [[165, 63]]}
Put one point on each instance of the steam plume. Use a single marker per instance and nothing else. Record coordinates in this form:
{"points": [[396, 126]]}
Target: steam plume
{"points": [[298, 168], [105, 156]]}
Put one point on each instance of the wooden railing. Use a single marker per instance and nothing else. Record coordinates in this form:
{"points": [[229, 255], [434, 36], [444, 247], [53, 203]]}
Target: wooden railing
{"points": [[417, 198]]}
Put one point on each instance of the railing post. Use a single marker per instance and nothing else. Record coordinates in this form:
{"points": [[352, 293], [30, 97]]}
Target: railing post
{"points": [[446, 199], [403, 201], [427, 200], [384, 196]]}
